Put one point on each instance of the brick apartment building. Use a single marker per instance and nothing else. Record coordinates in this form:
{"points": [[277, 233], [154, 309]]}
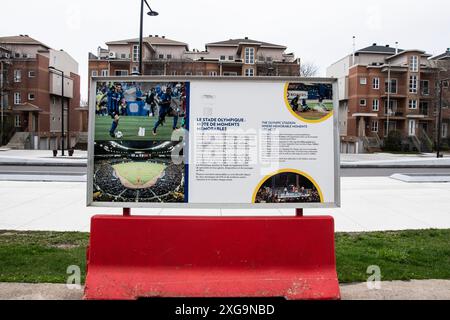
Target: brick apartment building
{"points": [[162, 56], [31, 94], [442, 62], [371, 107]]}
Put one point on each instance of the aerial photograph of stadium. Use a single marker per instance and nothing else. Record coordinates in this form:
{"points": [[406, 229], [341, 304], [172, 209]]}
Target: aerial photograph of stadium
{"points": [[311, 102], [288, 187], [138, 171], [144, 111]]}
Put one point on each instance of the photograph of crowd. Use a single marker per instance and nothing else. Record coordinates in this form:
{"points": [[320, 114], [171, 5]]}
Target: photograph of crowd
{"points": [[288, 187], [137, 172], [310, 101], [140, 110]]}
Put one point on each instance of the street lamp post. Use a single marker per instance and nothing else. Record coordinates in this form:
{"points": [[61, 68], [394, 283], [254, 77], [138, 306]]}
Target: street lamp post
{"points": [[439, 133], [62, 112], [141, 34]]}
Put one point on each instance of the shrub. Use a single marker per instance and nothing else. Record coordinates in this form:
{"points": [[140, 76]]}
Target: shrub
{"points": [[393, 142]]}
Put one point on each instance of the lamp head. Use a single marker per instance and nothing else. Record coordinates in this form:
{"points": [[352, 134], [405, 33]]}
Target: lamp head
{"points": [[153, 13]]}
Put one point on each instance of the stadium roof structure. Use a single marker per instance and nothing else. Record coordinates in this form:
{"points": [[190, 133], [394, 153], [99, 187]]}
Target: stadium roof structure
{"points": [[21, 40], [380, 49], [246, 40], [152, 41]]}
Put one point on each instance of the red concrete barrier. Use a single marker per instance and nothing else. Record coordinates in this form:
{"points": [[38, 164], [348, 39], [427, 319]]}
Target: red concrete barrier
{"points": [[137, 257]]}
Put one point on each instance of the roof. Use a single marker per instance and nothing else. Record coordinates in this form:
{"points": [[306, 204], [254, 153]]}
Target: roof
{"points": [[443, 56], [21, 40], [152, 40], [379, 49], [422, 53], [27, 107], [237, 42]]}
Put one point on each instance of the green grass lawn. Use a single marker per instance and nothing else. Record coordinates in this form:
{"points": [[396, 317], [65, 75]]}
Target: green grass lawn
{"points": [[129, 126], [37, 257], [139, 173]]}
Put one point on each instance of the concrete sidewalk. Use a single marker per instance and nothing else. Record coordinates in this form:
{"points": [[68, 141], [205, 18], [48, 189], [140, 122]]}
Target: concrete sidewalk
{"points": [[368, 204], [396, 290], [41, 158]]}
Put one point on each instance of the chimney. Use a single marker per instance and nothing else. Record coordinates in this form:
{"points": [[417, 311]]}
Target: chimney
{"points": [[99, 52], [246, 38], [156, 36], [388, 46], [150, 36], [354, 49], [163, 37], [396, 47], [448, 49], [374, 44]]}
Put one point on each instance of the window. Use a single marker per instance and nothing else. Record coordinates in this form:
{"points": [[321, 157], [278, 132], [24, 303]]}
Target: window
{"points": [[161, 56], [413, 84], [376, 83], [413, 104], [249, 55], [17, 121], [423, 108], [105, 73], [392, 111], [31, 74], [269, 59], [362, 81], [31, 96], [425, 85], [17, 75], [444, 130], [199, 73], [376, 105], [16, 55], [363, 102], [121, 73], [94, 73], [135, 53], [53, 101], [188, 73], [414, 64], [222, 58], [123, 56], [17, 98], [250, 72], [169, 56], [213, 73], [392, 87], [173, 73], [231, 58], [230, 74], [374, 126], [445, 84]]}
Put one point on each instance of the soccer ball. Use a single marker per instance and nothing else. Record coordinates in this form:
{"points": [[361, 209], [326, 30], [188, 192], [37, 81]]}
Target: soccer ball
{"points": [[119, 135]]}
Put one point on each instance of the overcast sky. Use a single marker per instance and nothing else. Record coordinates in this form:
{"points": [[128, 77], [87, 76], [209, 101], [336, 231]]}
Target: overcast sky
{"points": [[317, 31]]}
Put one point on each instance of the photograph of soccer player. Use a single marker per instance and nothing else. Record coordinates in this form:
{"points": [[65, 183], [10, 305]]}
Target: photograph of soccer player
{"points": [[147, 111]]}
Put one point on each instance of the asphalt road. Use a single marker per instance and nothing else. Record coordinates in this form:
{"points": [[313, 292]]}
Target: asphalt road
{"points": [[347, 172]]}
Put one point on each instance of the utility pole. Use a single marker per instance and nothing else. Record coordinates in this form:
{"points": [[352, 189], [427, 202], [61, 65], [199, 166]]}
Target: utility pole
{"points": [[439, 133]]}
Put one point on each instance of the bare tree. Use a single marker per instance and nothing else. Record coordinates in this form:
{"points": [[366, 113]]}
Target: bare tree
{"points": [[309, 69]]}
